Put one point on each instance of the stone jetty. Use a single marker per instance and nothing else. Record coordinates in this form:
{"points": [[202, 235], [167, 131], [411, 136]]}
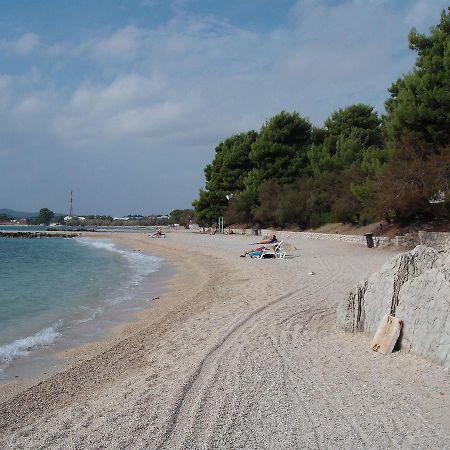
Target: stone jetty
{"points": [[37, 234]]}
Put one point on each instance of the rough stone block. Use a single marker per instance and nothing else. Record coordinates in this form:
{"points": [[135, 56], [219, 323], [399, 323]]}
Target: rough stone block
{"points": [[386, 335], [414, 286]]}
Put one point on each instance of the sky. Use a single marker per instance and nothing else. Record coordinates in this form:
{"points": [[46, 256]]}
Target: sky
{"points": [[124, 101]]}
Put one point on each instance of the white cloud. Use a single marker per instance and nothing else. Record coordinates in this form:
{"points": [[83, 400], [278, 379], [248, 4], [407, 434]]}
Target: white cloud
{"points": [[129, 89], [31, 104], [371, 2], [21, 46], [5, 81], [57, 49], [202, 75], [130, 104], [181, 72], [150, 3], [122, 44], [176, 90], [421, 14]]}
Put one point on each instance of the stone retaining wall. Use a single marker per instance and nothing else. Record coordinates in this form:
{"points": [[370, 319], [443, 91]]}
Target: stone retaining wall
{"points": [[439, 241], [246, 231], [296, 235], [409, 240], [356, 239]]}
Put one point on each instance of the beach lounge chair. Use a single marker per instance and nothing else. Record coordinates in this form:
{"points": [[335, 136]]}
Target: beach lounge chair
{"points": [[276, 252]]}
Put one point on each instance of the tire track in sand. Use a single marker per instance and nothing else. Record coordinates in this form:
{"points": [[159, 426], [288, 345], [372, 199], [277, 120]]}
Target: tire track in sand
{"points": [[294, 313], [172, 422], [207, 370]]}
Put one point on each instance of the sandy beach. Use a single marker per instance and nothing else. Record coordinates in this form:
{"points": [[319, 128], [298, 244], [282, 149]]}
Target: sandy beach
{"points": [[236, 354]]}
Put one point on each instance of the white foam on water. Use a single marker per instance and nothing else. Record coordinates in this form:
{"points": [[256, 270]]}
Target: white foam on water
{"points": [[140, 263], [22, 347], [92, 314]]}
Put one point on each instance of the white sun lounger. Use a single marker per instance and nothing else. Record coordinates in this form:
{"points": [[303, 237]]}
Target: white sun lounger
{"points": [[277, 252]]}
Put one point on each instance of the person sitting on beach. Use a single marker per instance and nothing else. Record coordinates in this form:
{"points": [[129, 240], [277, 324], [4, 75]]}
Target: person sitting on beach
{"points": [[158, 233], [269, 244], [272, 240]]}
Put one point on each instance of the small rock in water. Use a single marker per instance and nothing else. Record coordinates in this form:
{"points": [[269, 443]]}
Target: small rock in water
{"points": [[311, 273]]}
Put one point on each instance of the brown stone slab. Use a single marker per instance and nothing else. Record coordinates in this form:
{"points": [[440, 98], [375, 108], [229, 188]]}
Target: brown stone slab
{"points": [[387, 335]]}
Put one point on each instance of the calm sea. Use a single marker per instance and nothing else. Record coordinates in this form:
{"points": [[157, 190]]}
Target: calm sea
{"points": [[51, 287]]}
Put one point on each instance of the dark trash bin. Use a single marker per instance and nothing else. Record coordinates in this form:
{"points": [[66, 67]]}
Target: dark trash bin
{"points": [[369, 239]]}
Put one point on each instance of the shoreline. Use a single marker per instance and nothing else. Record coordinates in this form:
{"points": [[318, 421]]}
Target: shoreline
{"points": [[237, 352], [75, 339]]}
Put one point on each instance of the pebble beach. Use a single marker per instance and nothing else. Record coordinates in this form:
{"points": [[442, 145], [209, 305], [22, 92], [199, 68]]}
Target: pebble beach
{"points": [[236, 353]]}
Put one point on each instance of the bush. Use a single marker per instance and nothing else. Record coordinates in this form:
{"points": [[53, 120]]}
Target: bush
{"points": [[269, 196], [239, 210]]}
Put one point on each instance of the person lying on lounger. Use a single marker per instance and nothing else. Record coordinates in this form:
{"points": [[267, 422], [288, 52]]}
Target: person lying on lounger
{"points": [[158, 233], [269, 244]]}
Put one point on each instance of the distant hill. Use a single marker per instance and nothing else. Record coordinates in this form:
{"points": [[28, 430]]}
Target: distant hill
{"points": [[17, 214]]}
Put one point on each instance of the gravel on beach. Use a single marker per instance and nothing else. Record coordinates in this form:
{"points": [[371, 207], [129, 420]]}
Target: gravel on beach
{"points": [[237, 353]]}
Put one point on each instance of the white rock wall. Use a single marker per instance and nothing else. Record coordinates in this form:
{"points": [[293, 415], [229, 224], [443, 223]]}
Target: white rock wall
{"points": [[414, 287], [439, 241], [356, 239]]}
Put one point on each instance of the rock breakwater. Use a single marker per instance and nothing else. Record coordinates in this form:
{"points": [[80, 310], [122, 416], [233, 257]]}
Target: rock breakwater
{"points": [[36, 234]]}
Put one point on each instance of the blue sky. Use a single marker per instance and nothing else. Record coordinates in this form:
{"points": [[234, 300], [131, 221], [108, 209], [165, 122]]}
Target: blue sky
{"points": [[123, 102]]}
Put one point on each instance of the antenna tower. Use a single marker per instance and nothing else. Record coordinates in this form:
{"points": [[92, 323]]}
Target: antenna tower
{"points": [[71, 204]]}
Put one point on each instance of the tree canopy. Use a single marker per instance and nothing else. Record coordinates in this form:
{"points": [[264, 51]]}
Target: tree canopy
{"points": [[419, 102], [45, 216], [279, 152], [232, 161], [356, 168]]}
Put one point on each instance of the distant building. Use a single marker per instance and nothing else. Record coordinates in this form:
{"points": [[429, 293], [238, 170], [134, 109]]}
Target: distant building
{"points": [[68, 218]]}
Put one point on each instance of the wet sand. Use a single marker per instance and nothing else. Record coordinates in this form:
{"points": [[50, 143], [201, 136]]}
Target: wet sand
{"points": [[237, 353]]}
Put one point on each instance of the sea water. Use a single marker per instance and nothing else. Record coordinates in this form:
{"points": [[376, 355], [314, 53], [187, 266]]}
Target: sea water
{"points": [[52, 287]]}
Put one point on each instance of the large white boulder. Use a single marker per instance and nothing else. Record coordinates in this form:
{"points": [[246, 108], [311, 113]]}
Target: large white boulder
{"points": [[414, 287]]}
